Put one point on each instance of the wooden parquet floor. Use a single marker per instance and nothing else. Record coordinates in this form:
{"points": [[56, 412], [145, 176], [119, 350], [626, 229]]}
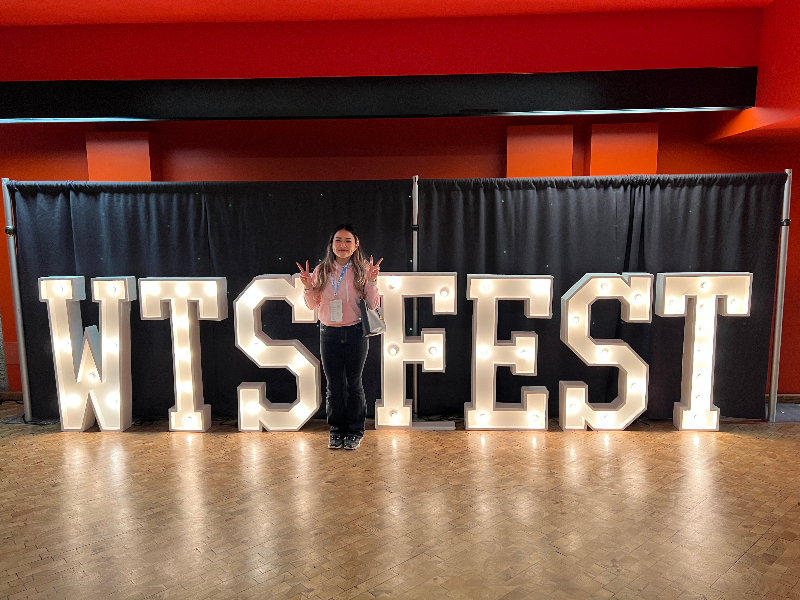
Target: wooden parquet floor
{"points": [[646, 513]]}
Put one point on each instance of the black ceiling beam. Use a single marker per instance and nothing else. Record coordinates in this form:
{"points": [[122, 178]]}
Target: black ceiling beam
{"points": [[367, 97]]}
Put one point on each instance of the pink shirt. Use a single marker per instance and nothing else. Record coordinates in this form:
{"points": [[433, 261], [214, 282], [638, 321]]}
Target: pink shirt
{"points": [[351, 311]]}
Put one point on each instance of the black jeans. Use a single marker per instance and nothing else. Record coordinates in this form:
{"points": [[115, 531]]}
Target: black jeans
{"points": [[344, 352]]}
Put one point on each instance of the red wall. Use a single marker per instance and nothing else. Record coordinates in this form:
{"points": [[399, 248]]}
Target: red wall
{"points": [[540, 43], [779, 59], [380, 149]]}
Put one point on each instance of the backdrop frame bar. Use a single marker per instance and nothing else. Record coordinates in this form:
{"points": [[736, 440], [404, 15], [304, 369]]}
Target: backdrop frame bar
{"points": [[415, 268], [11, 238], [779, 300]]}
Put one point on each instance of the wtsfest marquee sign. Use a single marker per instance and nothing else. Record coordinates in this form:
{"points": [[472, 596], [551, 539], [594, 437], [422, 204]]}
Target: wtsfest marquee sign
{"points": [[93, 368]]}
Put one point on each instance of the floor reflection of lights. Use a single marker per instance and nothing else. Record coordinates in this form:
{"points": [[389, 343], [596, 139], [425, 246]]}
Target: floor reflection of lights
{"points": [[150, 509]]}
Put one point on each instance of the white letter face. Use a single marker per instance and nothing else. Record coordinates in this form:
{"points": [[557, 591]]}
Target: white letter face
{"points": [[255, 410], [520, 353], [184, 302], [698, 297], [394, 411], [91, 365], [634, 291]]}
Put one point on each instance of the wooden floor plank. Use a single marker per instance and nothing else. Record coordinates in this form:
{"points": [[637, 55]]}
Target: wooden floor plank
{"points": [[646, 513]]}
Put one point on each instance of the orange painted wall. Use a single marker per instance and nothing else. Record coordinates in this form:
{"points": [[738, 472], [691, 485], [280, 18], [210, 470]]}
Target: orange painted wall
{"points": [[387, 149], [34, 152]]}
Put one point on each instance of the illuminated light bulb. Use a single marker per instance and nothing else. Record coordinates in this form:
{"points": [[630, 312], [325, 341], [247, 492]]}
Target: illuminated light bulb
{"points": [[73, 400], [252, 298], [182, 290], [700, 328], [702, 307], [300, 360], [394, 283], [393, 350], [573, 406], [93, 375], [695, 416], [66, 345], [533, 417], [210, 288], [61, 289], [637, 298], [113, 345], [484, 352], [483, 418], [394, 415], [604, 286], [113, 289], [182, 321], [184, 354], [576, 319], [733, 301], [444, 292], [252, 407], [634, 385], [540, 286], [606, 416], [604, 353], [697, 396], [186, 386], [698, 376], [153, 288], [486, 286], [188, 420], [672, 302], [303, 411], [433, 350], [703, 285], [113, 400], [522, 352]]}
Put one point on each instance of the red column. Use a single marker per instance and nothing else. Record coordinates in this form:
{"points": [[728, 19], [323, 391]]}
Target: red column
{"points": [[539, 151], [624, 149], [119, 156]]}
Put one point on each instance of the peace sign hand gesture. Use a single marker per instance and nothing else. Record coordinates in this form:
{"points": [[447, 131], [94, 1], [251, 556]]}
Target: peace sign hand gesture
{"points": [[305, 275], [372, 273]]}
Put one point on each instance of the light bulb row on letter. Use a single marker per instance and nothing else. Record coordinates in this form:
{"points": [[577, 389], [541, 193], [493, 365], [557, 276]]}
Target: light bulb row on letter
{"points": [[102, 376]]}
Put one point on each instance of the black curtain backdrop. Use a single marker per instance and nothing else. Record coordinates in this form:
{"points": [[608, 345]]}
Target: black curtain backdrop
{"points": [[566, 227], [561, 227], [232, 230]]}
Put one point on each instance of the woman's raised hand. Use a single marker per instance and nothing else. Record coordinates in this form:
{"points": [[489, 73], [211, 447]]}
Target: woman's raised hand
{"points": [[305, 275], [372, 273]]}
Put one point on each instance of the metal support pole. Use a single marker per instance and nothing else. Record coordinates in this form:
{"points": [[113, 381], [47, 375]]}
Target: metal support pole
{"points": [[778, 317], [11, 237], [415, 268]]}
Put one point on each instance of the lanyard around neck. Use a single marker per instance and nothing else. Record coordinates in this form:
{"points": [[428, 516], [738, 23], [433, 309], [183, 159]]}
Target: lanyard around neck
{"points": [[339, 281]]}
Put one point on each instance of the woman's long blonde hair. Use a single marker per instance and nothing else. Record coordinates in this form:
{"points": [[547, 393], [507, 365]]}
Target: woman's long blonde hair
{"points": [[357, 262]]}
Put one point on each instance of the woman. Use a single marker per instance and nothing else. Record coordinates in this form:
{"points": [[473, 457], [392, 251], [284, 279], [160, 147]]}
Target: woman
{"points": [[336, 287]]}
